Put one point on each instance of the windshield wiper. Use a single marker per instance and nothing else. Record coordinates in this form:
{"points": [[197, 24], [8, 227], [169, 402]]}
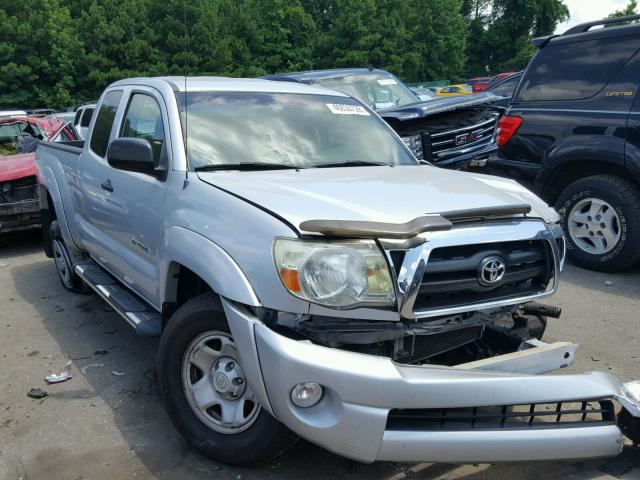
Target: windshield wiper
{"points": [[247, 166], [353, 163]]}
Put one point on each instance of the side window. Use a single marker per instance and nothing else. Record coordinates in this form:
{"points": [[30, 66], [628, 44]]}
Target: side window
{"points": [[143, 119], [576, 70], [86, 117], [506, 88], [104, 122], [76, 119]]}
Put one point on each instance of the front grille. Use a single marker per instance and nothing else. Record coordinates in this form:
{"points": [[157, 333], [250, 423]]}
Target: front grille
{"points": [[540, 415], [450, 143], [19, 190], [451, 276]]}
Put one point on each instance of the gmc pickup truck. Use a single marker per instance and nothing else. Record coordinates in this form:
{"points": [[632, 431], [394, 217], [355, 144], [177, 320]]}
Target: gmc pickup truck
{"points": [[309, 278]]}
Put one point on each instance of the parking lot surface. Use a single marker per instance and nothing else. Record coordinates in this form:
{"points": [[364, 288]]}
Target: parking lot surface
{"points": [[108, 421]]}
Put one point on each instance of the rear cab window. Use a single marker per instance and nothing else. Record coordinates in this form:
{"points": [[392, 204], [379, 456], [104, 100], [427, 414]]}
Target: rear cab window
{"points": [[104, 123], [575, 70]]}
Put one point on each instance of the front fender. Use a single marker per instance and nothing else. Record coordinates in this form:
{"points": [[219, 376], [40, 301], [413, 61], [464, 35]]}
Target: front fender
{"points": [[209, 261]]}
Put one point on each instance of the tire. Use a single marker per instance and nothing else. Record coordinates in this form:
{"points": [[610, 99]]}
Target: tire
{"points": [[261, 437], [62, 260], [609, 246]]}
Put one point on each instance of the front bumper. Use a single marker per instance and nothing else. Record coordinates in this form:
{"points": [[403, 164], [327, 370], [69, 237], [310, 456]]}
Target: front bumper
{"points": [[19, 215], [461, 161], [360, 390]]}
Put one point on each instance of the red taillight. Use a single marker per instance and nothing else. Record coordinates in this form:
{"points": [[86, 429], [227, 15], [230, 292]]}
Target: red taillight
{"points": [[507, 126]]}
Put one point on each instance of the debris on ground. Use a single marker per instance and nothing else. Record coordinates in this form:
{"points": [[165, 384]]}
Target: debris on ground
{"points": [[608, 283], [116, 373], [2, 265], [594, 359], [63, 376], [91, 365], [101, 352], [37, 393]]}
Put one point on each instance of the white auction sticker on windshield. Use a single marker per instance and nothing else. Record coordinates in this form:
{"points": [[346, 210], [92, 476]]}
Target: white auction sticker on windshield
{"points": [[345, 109], [387, 81]]}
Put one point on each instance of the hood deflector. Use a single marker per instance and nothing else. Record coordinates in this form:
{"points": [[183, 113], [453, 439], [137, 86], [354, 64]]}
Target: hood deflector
{"points": [[427, 223]]}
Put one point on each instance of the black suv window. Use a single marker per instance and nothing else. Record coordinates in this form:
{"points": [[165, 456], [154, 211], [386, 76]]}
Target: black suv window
{"points": [[143, 119], [506, 87], [576, 70], [104, 122]]}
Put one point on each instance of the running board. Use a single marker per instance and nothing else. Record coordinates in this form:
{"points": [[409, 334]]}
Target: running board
{"points": [[144, 320]]}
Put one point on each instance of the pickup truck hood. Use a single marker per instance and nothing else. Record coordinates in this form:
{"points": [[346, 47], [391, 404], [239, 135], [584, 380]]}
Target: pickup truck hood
{"points": [[13, 167], [378, 194], [439, 105]]}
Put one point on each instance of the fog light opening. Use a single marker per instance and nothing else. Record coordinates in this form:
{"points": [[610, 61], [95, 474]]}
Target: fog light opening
{"points": [[306, 394]]}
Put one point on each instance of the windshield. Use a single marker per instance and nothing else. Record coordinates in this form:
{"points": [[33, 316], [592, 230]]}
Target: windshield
{"points": [[227, 129], [377, 90]]}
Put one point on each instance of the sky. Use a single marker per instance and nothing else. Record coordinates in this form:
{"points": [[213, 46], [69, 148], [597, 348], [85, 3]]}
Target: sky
{"points": [[587, 10]]}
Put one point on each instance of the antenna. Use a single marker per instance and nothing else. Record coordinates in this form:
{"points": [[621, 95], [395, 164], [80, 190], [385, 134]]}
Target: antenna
{"points": [[186, 102]]}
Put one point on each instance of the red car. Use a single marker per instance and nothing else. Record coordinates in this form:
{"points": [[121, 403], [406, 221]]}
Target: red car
{"points": [[19, 137], [482, 86]]}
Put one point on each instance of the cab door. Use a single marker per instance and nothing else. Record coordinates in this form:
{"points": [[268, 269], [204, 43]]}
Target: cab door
{"points": [[126, 219]]}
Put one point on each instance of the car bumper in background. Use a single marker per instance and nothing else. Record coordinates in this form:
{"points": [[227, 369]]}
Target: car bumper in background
{"points": [[19, 215], [353, 417], [466, 159]]}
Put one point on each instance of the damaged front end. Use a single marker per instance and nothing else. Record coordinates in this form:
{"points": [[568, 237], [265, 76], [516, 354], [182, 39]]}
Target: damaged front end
{"points": [[19, 204], [452, 373], [448, 132]]}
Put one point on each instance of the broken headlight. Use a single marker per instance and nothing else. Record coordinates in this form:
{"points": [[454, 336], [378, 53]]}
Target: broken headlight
{"points": [[414, 143], [334, 274]]}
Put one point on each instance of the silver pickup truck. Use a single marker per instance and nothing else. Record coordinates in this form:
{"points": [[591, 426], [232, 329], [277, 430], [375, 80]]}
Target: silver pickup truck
{"points": [[309, 278]]}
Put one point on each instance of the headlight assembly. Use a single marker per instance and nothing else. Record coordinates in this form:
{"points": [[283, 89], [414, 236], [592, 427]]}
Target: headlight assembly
{"points": [[334, 274], [414, 142]]}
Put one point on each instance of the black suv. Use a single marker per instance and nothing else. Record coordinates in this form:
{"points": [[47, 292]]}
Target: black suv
{"points": [[451, 132], [572, 134]]}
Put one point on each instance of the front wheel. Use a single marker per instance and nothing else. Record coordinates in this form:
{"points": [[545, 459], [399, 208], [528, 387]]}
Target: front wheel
{"points": [[206, 392], [601, 217]]}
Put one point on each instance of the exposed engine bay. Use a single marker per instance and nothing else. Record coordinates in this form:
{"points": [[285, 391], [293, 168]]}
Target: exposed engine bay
{"points": [[447, 340]]}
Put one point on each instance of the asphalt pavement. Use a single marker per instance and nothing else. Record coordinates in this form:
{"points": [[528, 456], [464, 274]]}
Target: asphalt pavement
{"points": [[108, 421]]}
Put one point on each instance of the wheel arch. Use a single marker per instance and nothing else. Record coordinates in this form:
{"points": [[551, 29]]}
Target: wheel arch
{"points": [[570, 171], [196, 265]]}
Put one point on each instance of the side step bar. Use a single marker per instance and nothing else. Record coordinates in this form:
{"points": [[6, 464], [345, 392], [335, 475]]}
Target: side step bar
{"points": [[144, 319]]}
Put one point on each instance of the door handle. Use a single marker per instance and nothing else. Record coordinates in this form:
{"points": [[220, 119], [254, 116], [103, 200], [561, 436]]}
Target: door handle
{"points": [[107, 186]]}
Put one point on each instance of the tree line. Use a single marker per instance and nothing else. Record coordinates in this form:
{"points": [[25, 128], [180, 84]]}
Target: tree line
{"points": [[57, 53]]}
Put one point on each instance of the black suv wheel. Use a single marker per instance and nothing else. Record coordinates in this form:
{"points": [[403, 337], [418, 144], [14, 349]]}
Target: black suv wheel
{"points": [[601, 218], [204, 388]]}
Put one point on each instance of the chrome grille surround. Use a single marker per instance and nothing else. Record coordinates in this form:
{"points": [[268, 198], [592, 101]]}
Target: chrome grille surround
{"points": [[445, 144], [412, 270]]}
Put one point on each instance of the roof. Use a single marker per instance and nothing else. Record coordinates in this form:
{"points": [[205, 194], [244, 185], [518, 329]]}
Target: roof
{"points": [[325, 74], [225, 84]]}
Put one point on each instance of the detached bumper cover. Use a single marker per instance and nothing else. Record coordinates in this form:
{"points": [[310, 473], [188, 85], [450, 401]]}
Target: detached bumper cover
{"points": [[360, 390]]}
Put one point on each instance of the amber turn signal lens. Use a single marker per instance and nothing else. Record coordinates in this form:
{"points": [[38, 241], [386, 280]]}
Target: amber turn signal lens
{"points": [[290, 279]]}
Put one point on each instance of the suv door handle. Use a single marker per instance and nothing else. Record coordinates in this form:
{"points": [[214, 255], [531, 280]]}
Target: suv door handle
{"points": [[107, 186]]}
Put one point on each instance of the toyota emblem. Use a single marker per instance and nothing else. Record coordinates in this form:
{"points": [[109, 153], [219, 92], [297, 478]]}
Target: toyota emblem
{"points": [[491, 270]]}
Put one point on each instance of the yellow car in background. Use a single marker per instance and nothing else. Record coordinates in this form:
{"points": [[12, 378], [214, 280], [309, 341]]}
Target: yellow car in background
{"points": [[453, 90]]}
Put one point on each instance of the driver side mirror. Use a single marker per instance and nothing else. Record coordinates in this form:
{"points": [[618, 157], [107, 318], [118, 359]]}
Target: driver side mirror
{"points": [[133, 155]]}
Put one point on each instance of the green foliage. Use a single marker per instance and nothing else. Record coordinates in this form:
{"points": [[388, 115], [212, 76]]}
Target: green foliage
{"points": [[501, 31], [59, 52], [630, 9]]}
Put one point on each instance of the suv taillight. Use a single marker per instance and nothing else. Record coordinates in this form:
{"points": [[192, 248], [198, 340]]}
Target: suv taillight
{"points": [[507, 126]]}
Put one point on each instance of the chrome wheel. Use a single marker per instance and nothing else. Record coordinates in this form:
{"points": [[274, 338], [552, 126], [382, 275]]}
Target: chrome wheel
{"points": [[215, 386], [63, 263], [594, 226]]}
